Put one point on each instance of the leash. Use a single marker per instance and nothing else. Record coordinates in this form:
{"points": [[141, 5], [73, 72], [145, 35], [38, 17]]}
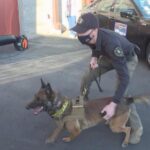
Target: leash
{"points": [[98, 84], [98, 81]]}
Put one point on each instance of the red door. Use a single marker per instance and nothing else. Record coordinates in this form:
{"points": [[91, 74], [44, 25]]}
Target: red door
{"points": [[9, 17]]}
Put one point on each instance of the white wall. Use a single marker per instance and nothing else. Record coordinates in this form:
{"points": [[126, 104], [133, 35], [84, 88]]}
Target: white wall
{"points": [[63, 12], [78, 7], [43, 9]]}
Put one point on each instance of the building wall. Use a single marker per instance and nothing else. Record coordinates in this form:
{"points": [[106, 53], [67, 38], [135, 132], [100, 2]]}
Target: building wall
{"points": [[27, 17], [41, 17], [9, 20], [35, 17], [77, 6]]}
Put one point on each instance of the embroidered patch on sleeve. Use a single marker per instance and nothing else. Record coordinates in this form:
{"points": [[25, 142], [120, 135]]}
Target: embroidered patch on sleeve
{"points": [[118, 52]]}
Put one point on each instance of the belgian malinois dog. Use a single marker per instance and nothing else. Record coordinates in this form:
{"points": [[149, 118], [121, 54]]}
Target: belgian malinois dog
{"points": [[62, 109]]}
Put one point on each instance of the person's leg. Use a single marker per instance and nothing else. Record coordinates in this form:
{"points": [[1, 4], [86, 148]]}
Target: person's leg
{"points": [[136, 126], [104, 65], [134, 119]]}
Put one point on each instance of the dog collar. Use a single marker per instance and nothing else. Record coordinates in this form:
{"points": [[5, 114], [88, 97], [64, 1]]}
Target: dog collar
{"points": [[61, 111]]}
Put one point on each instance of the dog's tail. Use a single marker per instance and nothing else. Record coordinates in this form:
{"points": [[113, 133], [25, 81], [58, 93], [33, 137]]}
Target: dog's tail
{"points": [[138, 99]]}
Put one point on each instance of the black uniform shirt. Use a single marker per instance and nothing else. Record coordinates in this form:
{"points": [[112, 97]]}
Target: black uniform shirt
{"points": [[119, 50]]}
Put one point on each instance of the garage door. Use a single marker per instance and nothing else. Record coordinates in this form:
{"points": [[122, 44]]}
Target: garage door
{"points": [[9, 18]]}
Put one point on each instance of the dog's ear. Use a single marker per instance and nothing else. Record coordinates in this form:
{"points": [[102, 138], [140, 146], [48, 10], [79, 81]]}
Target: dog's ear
{"points": [[43, 85], [49, 91], [49, 88]]}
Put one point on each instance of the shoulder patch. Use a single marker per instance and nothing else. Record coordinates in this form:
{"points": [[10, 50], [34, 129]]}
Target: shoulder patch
{"points": [[118, 52]]}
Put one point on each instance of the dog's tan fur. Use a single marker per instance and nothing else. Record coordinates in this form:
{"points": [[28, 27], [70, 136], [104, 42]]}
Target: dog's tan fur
{"points": [[91, 117]]}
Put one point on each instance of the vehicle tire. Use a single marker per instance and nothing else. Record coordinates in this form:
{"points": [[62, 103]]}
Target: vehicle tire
{"points": [[148, 54], [21, 43]]}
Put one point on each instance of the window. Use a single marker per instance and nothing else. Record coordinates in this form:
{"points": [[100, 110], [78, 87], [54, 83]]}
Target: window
{"points": [[144, 6]]}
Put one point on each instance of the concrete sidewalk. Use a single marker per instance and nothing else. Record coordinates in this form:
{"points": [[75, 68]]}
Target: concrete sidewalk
{"points": [[61, 62]]}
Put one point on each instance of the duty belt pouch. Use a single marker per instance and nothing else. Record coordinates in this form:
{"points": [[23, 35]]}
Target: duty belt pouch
{"points": [[77, 112], [78, 109]]}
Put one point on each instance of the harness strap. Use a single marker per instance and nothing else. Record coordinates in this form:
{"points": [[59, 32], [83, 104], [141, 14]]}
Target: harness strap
{"points": [[59, 113], [78, 111]]}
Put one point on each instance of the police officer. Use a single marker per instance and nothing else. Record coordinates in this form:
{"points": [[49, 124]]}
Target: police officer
{"points": [[109, 51]]}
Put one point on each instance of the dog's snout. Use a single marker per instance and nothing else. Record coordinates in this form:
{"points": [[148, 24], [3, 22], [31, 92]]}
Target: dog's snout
{"points": [[27, 107]]}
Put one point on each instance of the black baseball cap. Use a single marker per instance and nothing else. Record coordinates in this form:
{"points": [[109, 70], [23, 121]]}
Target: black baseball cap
{"points": [[85, 22]]}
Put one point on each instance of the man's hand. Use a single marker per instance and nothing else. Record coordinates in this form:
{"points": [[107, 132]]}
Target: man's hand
{"points": [[110, 110], [93, 63]]}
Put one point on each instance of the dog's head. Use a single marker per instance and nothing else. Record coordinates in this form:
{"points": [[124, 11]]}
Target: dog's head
{"points": [[45, 100]]}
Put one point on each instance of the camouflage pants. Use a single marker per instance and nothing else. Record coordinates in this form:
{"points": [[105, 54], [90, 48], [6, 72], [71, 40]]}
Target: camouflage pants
{"points": [[105, 65]]}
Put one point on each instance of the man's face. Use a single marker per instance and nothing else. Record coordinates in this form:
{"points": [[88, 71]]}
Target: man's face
{"points": [[88, 37]]}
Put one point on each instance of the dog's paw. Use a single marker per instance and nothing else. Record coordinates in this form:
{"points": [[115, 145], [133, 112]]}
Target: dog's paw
{"points": [[49, 141], [66, 139], [124, 145]]}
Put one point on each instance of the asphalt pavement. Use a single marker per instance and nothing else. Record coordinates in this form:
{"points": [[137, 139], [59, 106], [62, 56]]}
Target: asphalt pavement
{"points": [[62, 62]]}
